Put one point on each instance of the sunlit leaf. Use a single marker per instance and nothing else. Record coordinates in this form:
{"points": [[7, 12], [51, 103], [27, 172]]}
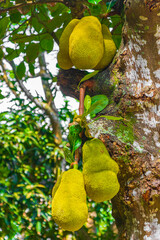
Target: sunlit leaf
{"points": [[74, 138], [102, 103], [87, 102], [110, 4], [110, 118], [94, 1], [68, 155], [38, 228]]}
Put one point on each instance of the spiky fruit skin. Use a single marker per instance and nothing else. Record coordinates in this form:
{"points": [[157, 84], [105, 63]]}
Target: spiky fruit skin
{"points": [[109, 49], [99, 171], [63, 57], [86, 43], [69, 208]]}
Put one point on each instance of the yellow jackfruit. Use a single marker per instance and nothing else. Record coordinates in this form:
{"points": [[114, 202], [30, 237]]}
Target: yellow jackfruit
{"points": [[109, 49], [99, 171], [63, 58], [69, 208], [86, 46]]}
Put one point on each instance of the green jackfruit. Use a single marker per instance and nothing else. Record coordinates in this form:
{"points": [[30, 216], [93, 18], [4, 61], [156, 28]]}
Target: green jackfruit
{"points": [[99, 171], [69, 208], [109, 49], [63, 58], [86, 46]]}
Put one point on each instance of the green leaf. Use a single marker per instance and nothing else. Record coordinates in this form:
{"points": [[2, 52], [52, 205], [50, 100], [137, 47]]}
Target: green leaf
{"points": [[74, 138], [38, 227], [77, 144], [100, 97], [94, 106], [113, 118], [58, 21], [22, 38], [15, 17], [3, 26], [31, 69], [110, 5], [68, 155], [58, 9], [12, 53], [87, 102], [35, 23], [1, 54], [32, 52], [94, 1], [74, 130], [110, 118], [1, 96], [21, 69], [99, 102], [44, 215], [117, 24], [47, 44], [88, 76]]}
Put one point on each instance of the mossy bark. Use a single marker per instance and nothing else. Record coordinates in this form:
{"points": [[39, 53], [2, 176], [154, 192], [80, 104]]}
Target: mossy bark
{"points": [[132, 83]]}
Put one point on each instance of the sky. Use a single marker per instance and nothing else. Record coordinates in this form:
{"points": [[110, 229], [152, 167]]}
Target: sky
{"points": [[35, 86]]}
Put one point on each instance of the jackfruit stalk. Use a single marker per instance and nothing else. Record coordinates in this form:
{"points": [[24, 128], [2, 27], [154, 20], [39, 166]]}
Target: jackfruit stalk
{"points": [[63, 57], [86, 46], [109, 49], [99, 171], [69, 208]]}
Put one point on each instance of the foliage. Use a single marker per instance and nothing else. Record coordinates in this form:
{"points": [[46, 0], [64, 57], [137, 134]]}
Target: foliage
{"points": [[28, 158]]}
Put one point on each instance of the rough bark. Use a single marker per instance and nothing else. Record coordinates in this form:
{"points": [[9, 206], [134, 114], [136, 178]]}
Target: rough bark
{"points": [[138, 211], [132, 83]]}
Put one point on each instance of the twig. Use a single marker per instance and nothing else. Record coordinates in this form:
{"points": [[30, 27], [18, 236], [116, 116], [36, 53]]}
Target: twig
{"points": [[7, 81], [81, 99], [81, 111]]}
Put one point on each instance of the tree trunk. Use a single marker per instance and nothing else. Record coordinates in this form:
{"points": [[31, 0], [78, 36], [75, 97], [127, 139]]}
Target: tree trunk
{"points": [[133, 87], [135, 145]]}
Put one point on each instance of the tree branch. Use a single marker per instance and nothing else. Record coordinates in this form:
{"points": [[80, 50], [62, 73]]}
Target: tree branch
{"points": [[68, 81], [7, 81], [45, 25], [49, 98], [43, 106]]}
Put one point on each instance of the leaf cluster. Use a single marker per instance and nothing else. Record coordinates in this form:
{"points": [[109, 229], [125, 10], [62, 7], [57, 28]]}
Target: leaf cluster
{"points": [[28, 158]]}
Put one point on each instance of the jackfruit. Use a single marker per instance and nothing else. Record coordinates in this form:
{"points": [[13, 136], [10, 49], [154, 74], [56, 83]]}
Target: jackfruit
{"points": [[86, 46], [69, 208], [109, 49], [63, 58], [99, 171]]}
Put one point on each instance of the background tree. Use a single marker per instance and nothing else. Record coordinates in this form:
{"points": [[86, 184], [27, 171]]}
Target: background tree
{"points": [[131, 84]]}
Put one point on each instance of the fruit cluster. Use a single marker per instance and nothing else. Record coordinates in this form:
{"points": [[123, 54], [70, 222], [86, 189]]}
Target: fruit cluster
{"points": [[98, 181], [86, 44]]}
